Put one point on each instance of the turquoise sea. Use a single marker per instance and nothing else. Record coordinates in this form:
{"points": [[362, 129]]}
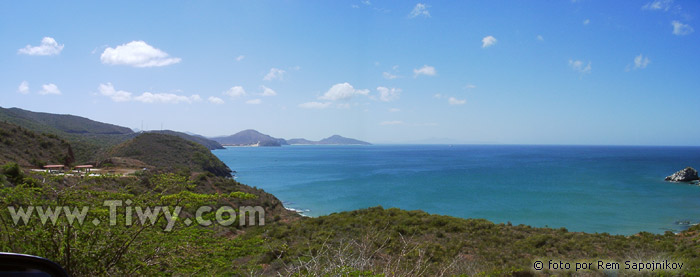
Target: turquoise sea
{"points": [[613, 189]]}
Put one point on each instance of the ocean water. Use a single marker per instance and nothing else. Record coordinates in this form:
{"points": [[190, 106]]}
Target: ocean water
{"points": [[613, 189]]}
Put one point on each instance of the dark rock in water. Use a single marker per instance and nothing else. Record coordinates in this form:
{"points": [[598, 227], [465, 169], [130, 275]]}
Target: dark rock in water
{"points": [[686, 175]]}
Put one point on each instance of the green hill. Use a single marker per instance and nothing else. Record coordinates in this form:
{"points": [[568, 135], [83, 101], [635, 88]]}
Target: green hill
{"points": [[212, 145], [88, 138], [170, 153], [30, 149]]}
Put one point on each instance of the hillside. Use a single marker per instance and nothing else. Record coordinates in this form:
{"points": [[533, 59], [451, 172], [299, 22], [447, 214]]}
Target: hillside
{"points": [[30, 149], [332, 140], [249, 137], [88, 138], [210, 144], [170, 153]]}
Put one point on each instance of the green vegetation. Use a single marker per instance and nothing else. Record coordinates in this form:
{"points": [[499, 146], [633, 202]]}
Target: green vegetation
{"points": [[170, 153], [28, 148], [139, 249]]}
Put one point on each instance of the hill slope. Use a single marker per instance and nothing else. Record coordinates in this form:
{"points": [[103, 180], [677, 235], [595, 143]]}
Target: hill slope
{"points": [[250, 137], [30, 149], [89, 139], [210, 144], [170, 153]]}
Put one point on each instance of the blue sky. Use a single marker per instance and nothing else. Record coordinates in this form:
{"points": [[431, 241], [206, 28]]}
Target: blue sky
{"points": [[513, 72]]}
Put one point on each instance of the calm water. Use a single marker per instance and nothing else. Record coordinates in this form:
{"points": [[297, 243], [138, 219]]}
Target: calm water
{"points": [[612, 189]]}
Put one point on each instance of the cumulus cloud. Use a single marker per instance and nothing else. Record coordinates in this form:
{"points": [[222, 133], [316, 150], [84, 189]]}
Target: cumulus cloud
{"points": [[23, 87], [394, 110], [240, 58], [215, 100], [48, 47], [253, 101], [681, 29], [315, 105], [49, 89], [267, 91], [137, 54], [488, 41], [580, 66], [587, 21], [116, 95], [274, 74], [419, 10], [455, 101], [388, 94], [235, 92], [540, 38], [146, 97], [656, 5], [392, 122], [343, 91], [425, 70]]}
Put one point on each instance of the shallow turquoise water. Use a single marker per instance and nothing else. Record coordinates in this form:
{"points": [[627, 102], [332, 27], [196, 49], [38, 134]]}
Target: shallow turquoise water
{"points": [[614, 189]]}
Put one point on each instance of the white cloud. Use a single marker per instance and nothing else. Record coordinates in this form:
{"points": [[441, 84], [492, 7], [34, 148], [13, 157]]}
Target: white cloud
{"points": [[681, 29], [587, 21], [23, 87], [388, 94], [148, 97], [315, 105], [641, 61], [425, 70], [48, 47], [664, 5], [540, 38], [275, 73], [343, 91], [394, 110], [389, 76], [137, 54], [438, 96], [49, 89], [392, 122], [240, 58], [215, 100], [253, 101], [488, 41], [267, 91], [116, 95], [579, 66], [455, 101], [235, 92], [419, 10]]}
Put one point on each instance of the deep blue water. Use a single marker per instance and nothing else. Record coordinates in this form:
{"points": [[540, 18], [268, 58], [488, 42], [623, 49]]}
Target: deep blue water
{"points": [[614, 189]]}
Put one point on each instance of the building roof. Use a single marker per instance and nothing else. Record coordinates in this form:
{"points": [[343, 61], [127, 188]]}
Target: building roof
{"points": [[84, 166], [54, 166]]}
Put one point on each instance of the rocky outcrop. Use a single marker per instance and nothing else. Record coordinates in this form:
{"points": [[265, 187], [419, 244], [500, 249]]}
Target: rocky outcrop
{"points": [[686, 175]]}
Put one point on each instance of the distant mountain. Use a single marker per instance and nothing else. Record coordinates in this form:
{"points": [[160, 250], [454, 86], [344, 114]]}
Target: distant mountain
{"points": [[335, 139], [300, 141], [250, 138], [170, 153], [210, 144]]}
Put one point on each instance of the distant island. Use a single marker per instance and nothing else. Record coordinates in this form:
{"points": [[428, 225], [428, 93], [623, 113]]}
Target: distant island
{"points": [[254, 138]]}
